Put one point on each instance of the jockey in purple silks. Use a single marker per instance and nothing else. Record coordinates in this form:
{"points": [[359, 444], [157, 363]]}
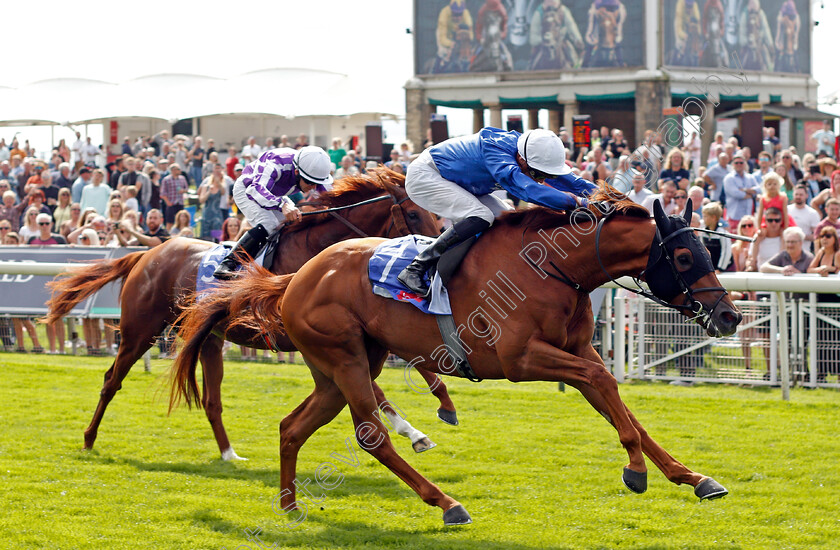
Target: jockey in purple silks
{"points": [[261, 195]]}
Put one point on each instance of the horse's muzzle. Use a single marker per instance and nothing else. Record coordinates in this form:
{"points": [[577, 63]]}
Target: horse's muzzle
{"points": [[724, 322]]}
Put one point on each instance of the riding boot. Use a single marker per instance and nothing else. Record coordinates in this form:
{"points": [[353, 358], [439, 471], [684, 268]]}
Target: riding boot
{"points": [[414, 274], [248, 246]]}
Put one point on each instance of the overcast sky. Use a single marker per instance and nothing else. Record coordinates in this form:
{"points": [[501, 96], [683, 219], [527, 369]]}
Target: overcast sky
{"points": [[117, 41]]}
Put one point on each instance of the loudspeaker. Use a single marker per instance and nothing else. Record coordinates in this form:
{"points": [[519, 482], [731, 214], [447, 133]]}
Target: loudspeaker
{"points": [[440, 130], [386, 152], [373, 142]]}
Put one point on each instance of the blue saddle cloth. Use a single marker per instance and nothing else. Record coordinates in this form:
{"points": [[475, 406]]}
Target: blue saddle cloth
{"points": [[204, 281], [389, 259]]}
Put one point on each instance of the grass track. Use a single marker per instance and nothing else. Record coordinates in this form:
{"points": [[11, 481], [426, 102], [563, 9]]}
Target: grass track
{"points": [[536, 468]]}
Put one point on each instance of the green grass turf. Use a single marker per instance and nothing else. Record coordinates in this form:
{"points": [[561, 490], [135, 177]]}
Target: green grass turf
{"points": [[536, 468]]}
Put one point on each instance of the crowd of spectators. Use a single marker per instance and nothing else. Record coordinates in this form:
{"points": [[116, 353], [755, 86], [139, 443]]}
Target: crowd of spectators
{"points": [[161, 187], [789, 204]]}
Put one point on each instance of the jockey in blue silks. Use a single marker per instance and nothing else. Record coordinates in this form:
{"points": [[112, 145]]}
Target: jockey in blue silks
{"points": [[454, 179], [262, 195]]}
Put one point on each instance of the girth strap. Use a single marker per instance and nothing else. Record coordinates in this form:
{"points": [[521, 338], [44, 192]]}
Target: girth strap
{"points": [[449, 332]]}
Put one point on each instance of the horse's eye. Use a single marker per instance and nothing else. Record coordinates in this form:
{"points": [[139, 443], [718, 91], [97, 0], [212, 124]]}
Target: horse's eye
{"points": [[684, 260], [413, 215]]}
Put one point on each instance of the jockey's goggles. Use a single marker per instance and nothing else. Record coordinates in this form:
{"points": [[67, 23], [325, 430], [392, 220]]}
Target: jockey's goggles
{"points": [[539, 176]]}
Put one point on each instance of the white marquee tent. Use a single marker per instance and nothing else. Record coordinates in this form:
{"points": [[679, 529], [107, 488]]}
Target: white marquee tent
{"points": [[286, 92]]}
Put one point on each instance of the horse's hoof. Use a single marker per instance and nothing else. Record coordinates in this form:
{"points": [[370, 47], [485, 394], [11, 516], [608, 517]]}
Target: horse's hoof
{"points": [[709, 489], [230, 454], [635, 481], [450, 417], [457, 515], [423, 444]]}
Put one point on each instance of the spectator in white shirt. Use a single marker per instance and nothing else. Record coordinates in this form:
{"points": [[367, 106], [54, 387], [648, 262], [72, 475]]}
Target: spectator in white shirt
{"points": [[665, 198], [805, 217], [89, 153], [639, 192], [252, 149]]}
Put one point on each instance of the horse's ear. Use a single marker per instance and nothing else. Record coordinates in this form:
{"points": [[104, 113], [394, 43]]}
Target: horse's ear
{"points": [[659, 214], [689, 208]]}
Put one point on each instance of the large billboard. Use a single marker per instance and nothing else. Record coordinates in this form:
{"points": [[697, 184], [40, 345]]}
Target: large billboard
{"points": [[753, 35], [459, 36]]}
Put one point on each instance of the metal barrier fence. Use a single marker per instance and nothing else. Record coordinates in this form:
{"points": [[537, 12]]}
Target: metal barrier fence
{"points": [[641, 339], [656, 343]]}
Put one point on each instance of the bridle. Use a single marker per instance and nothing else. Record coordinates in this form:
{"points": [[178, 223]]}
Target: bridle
{"points": [[660, 252]]}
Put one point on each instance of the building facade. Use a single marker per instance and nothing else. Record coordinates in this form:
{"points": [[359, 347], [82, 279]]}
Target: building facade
{"points": [[623, 62]]}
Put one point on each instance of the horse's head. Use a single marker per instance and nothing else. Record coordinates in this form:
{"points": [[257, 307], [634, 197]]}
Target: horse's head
{"points": [[407, 217], [680, 272]]}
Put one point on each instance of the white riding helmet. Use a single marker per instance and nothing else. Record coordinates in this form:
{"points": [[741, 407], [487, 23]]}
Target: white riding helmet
{"points": [[314, 165], [543, 151]]}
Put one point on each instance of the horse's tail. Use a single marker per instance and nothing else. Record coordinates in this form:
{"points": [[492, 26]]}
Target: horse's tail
{"points": [[75, 285], [251, 302]]}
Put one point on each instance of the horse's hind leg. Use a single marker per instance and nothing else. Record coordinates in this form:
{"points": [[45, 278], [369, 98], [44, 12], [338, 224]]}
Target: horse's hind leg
{"points": [[351, 371], [318, 409], [138, 335], [213, 368], [674, 470], [372, 436]]}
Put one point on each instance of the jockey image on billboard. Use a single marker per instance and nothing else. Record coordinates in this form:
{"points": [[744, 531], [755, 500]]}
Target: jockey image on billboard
{"points": [[555, 38], [787, 38], [494, 36], [605, 34], [753, 35]]}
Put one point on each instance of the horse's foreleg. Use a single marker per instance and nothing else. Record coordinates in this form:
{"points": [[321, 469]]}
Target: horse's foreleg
{"points": [[542, 361], [446, 412], [419, 441], [213, 369], [674, 470]]}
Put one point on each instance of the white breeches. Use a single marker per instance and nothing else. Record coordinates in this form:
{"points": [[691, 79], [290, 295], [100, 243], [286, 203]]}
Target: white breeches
{"points": [[428, 189], [254, 213]]}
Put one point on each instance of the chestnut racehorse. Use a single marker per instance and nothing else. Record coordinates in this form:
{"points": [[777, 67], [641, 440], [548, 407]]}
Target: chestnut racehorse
{"points": [[158, 281], [521, 300]]}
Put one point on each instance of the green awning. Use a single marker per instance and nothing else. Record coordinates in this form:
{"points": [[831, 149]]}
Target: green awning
{"points": [[456, 104], [739, 98], [529, 102], [775, 98], [606, 97]]}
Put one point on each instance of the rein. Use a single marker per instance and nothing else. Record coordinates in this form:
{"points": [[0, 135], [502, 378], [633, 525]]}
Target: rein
{"points": [[399, 222]]}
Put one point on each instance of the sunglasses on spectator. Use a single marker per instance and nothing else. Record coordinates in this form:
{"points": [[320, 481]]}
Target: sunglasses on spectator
{"points": [[823, 236], [774, 220], [84, 238], [681, 196], [44, 223], [738, 162], [5, 228], [748, 225]]}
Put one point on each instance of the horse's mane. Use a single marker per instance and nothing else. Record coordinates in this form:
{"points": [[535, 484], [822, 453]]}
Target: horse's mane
{"points": [[539, 217], [350, 190]]}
